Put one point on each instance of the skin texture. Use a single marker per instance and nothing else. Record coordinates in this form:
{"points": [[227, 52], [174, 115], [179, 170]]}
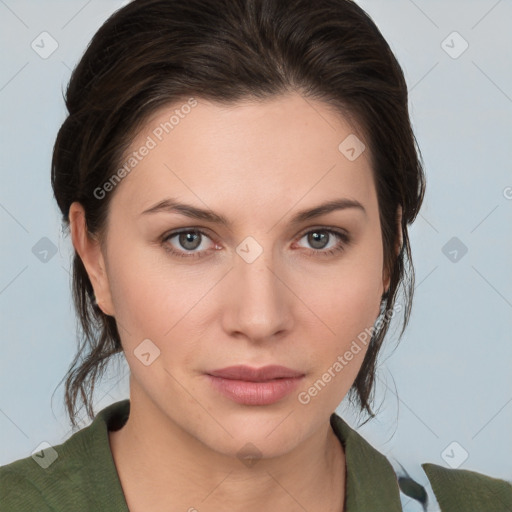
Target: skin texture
{"points": [[257, 164]]}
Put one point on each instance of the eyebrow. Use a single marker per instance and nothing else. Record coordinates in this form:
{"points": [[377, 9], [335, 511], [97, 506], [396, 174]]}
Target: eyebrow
{"points": [[173, 206]]}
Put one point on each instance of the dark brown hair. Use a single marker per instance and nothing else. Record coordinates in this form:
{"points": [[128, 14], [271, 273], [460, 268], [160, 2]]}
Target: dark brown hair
{"points": [[153, 53]]}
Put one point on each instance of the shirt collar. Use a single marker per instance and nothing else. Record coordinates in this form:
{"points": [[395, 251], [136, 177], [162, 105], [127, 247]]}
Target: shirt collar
{"points": [[371, 482]]}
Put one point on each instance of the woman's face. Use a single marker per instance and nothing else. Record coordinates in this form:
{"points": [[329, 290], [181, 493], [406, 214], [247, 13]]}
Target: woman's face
{"points": [[265, 288]]}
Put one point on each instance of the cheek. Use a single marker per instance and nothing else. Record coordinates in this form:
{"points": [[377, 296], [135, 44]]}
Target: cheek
{"points": [[339, 350], [349, 316], [346, 297], [346, 301], [158, 299], [147, 300]]}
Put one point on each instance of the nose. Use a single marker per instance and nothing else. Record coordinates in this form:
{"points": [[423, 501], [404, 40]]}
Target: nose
{"points": [[259, 305]]}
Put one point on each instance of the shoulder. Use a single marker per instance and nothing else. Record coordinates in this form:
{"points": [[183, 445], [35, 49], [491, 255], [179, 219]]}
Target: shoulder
{"points": [[49, 477], [17, 490], [456, 490], [75, 475], [461, 489]]}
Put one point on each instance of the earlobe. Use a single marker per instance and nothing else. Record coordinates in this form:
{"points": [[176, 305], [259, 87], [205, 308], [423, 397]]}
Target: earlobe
{"points": [[89, 250]]}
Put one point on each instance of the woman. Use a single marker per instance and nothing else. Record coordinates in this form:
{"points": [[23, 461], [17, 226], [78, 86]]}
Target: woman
{"points": [[237, 177]]}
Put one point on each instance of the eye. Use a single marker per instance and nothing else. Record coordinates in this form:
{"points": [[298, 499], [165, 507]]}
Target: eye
{"points": [[319, 239], [189, 240]]}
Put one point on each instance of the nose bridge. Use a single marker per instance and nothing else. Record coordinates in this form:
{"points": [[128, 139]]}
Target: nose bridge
{"points": [[254, 268], [259, 296]]}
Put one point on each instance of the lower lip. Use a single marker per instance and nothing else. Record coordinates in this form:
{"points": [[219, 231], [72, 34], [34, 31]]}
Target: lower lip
{"points": [[255, 393]]}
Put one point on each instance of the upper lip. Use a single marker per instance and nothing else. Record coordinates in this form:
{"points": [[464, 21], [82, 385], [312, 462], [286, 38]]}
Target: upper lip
{"points": [[247, 373]]}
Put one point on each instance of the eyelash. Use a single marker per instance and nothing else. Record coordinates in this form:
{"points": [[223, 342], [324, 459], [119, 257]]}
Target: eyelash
{"points": [[344, 238]]}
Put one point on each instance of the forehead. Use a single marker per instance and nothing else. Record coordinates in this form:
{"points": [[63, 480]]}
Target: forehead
{"points": [[256, 154]]}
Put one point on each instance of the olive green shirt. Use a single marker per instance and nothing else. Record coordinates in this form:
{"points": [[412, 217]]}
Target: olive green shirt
{"points": [[83, 476]]}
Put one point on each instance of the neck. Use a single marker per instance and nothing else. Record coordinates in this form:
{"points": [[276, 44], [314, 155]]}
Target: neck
{"points": [[172, 467]]}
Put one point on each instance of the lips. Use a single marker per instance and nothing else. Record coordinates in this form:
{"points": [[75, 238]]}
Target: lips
{"points": [[255, 386], [249, 374]]}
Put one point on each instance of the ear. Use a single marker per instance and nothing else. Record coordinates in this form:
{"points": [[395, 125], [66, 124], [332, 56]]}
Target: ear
{"points": [[386, 278], [89, 250]]}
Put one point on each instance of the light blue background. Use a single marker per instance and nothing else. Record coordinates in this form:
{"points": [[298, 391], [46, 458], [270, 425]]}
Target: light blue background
{"points": [[449, 379]]}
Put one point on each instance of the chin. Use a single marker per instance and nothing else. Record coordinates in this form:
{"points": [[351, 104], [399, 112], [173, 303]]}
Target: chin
{"points": [[259, 432]]}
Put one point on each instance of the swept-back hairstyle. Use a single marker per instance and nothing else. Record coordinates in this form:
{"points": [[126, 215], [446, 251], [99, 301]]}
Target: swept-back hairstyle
{"points": [[155, 53]]}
